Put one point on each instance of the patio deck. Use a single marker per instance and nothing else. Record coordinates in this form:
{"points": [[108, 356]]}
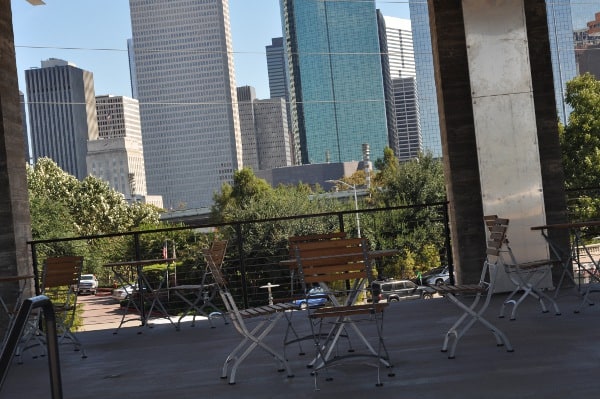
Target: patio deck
{"points": [[554, 357]]}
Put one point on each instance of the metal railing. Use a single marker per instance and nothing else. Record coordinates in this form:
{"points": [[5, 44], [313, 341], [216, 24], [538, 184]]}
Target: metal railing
{"points": [[251, 264], [14, 336]]}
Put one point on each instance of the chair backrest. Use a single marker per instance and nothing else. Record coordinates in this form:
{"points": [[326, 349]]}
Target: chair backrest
{"points": [[61, 271], [312, 237], [497, 228], [326, 262], [214, 257]]}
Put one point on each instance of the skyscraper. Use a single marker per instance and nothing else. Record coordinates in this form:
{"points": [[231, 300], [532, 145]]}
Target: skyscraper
{"points": [[62, 114], [278, 88], [560, 27], [265, 137], [428, 106], [401, 59], [336, 83], [186, 89], [118, 156]]}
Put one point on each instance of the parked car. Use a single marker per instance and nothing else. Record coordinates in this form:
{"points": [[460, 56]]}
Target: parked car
{"points": [[88, 283], [315, 298], [441, 277], [392, 290], [121, 293]]}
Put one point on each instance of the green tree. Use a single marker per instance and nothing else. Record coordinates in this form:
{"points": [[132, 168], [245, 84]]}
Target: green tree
{"points": [[418, 231], [580, 144]]}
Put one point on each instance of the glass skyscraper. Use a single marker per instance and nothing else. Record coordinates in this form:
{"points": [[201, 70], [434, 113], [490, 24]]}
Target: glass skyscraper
{"points": [[560, 28], [336, 83]]}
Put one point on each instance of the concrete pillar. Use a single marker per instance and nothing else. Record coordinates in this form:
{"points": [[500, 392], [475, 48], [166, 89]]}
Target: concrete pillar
{"points": [[499, 125], [15, 225]]}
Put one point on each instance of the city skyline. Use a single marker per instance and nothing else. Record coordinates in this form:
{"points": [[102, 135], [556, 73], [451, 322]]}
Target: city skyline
{"points": [[89, 43]]}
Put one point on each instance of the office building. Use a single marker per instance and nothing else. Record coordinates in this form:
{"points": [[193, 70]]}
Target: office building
{"points": [[279, 88], [186, 89], [265, 138], [388, 86], [587, 47], [336, 83], [132, 76], [118, 156], [407, 116], [401, 60], [62, 114], [560, 27]]}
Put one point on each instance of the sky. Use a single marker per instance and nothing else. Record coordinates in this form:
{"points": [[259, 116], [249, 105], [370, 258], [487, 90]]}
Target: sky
{"points": [[93, 35]]}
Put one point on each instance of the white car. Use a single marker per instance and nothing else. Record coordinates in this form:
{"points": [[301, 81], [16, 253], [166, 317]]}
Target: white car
{"points": [[88, 283], [122, 292]]}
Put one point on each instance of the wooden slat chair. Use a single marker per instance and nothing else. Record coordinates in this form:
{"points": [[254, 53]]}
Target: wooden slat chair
{"points": [[60, 277], [336, 265], [526, 276], [204, 293], [480, 294], [267, 317], [291, 334]]}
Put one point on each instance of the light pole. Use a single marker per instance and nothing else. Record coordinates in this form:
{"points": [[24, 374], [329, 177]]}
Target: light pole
{"points": [[353, 187]]}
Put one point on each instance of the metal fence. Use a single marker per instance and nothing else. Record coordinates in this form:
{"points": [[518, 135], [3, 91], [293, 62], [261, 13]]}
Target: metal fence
{"points": [[257, 246]]}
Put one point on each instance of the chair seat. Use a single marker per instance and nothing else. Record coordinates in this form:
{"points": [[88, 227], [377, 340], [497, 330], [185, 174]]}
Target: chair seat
{"points": [[460, 289], [265, 310], [535, 264], [342, 311]]}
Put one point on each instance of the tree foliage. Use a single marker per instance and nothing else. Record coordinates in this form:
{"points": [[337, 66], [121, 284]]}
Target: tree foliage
{"points": [[580, 144]]}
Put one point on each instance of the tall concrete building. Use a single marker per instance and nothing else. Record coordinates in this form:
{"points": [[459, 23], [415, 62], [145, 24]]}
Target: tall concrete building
{"points": [[406, 102], [62, 114], [118, 156], [186, 89], [560, 26], [336, 82], [279, 88], [401, 59], [265, 137]]}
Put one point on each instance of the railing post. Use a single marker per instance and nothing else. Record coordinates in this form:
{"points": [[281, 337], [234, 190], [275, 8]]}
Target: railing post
{"points": [[240, 245], [448, 244], [341, 221], [140, 282]]}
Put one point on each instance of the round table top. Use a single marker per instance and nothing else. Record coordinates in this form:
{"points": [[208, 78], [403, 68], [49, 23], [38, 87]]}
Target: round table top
{"points": [[269, 285]]}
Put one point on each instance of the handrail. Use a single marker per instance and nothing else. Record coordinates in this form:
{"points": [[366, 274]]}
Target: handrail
{"points": [[14, 335]]}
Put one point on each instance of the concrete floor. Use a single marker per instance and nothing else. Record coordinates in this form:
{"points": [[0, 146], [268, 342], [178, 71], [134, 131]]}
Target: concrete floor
{"points": [[554, 357]]}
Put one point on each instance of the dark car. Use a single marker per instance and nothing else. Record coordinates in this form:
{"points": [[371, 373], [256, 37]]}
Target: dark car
{"points": [[315, 298], [393, 290]]}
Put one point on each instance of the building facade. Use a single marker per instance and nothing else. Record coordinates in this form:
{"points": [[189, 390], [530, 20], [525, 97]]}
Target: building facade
{"points": [[62, 114], [401, 59], [587, 47], [279, 88], [336, 83], [186, 89], [406, 101], [265, 136], [118, 155]]}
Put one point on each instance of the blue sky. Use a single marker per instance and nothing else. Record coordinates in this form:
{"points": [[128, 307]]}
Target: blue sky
{"points": [[84, 26]]}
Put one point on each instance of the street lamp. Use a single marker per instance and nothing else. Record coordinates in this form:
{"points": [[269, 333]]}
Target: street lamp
{"points": [[353, 187]]}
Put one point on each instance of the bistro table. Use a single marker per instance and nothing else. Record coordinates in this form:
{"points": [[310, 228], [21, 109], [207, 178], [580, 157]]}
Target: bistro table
{"points": [[572, 255], [143, 288]]}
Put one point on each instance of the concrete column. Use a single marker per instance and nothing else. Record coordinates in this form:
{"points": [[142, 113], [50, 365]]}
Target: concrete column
{"points": [[15, 225], [498, 123]]}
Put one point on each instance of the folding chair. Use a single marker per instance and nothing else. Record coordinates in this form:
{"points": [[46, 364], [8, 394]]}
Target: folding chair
{"points": [[342, 268], [203, 294], [267, 316], [60, 277], [526, 276], [291, 334], [480, 293]]}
